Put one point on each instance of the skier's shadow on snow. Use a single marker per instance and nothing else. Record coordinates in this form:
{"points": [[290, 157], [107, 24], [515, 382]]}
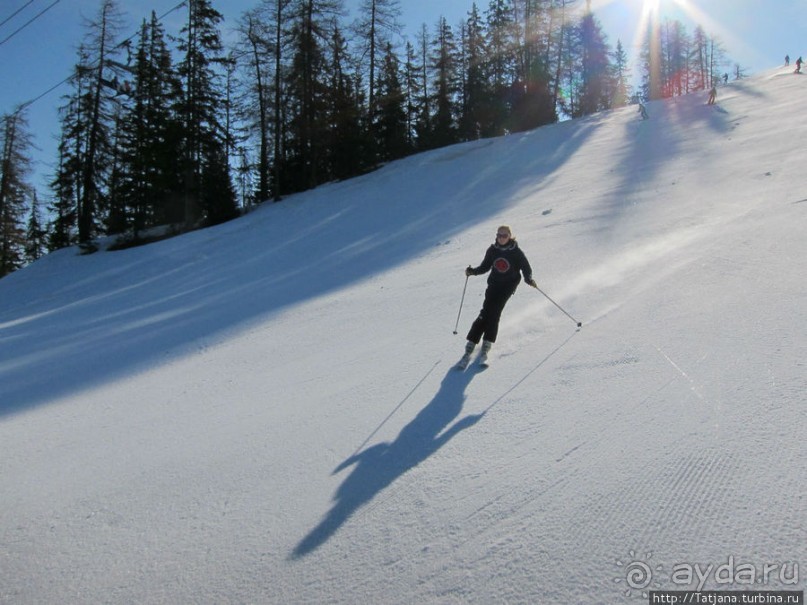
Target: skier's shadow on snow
{"points": [[375, 468]]}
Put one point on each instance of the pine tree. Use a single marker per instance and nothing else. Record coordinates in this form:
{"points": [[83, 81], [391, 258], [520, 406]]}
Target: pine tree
{"points": [[621, 91], [501, 45], [255, 46], [651, 57], [391, 126], [203, 131], [97, 110], [36, 234], [594, 66], [411, 90], [423, 123], [477, 118], [114, 209], [348, 136], [262, 48], [559, 56], [151, 178], [61, 228], [279, 126], [699, 60], [676, 62], [444, 65], [307, 157], [217, 198], [717, 58], [533, 102], [15, 164], [374, 28]]}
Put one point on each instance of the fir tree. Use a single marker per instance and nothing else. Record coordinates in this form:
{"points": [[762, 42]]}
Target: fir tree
{"points": [[423, 124], [348, 136], [36, 234], [391, 127], [15, 164], [204, 134], [411, 89], [96, 103], [378, 22], [151, 179], [217, 195], [444, 65], [306, 87], [621, 90], [594, 66], [256, 48], [262, 47], [501, 61], [533, 102], [477, 115], [61, 228]]}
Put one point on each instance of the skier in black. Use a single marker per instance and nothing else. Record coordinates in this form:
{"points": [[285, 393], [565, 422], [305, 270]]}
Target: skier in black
{"points": [[798, 65], [643, 111], [506, 262]]}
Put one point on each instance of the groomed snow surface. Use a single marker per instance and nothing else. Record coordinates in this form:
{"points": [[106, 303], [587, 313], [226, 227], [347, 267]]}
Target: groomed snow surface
{"points": [[266, 411]]}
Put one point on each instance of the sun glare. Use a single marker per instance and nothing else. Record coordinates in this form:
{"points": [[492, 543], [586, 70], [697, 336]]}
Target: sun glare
{"points": [[654, 12], [651, 5]]}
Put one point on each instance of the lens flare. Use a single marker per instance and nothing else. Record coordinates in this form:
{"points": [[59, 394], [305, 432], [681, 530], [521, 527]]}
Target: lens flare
{"points": [[651, 5]]}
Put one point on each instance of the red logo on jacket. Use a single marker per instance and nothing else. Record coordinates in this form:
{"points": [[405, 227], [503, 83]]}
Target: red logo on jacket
{"points": [[502, 265]]}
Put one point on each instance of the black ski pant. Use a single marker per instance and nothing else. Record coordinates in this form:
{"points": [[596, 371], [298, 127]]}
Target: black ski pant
{"points": [[487, 324]]}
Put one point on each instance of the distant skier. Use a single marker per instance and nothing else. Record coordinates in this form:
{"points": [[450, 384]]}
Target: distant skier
{"points": [[798, 65], [787, 60], [506, 262], [712, 96], [643, 111]]}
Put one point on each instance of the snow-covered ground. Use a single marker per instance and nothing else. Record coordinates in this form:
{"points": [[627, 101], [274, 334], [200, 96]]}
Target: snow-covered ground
{"points": [[266, 411]]}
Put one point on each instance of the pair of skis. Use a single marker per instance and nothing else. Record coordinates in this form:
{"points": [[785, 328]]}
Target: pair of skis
{"points": [[483, 361]]}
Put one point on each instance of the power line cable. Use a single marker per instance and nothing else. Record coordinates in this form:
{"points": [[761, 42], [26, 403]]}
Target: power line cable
{"points": [[68, 78], [22, 27], [16, 12]]}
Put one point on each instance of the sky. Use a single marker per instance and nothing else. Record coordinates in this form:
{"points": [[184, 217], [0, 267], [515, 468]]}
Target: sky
{"points": [[266, 411], [35, 57]]}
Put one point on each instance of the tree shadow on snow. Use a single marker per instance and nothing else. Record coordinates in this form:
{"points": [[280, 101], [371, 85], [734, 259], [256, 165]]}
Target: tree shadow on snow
{"points": [[376, 468], [73, 324]]}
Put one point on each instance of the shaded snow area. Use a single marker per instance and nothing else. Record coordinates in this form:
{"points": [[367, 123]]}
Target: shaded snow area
{"points": [[266, 411]]}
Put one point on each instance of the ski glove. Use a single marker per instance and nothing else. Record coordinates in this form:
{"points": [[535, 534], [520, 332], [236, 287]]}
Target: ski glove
{"points": [[469, 271], [531, 282]]}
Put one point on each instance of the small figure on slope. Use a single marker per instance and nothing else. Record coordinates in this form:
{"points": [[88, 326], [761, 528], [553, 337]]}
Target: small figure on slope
{"points": [[643, 111], [712, 96], [798, 65], [506, 263]]}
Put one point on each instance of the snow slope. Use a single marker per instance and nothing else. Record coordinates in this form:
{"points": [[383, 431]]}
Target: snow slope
{"points": [[265, 411]]}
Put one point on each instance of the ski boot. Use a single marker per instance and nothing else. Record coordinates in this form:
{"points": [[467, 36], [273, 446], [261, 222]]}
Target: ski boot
{"points": [[483, 354], [466, 358]]}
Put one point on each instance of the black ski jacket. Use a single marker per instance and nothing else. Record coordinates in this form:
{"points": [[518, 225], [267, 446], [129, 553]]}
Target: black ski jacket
{"points": [[506, 264]]}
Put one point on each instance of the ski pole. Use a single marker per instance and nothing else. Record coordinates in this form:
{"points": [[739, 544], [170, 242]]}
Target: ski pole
{"points": [[579, 324], [461, 301]]}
